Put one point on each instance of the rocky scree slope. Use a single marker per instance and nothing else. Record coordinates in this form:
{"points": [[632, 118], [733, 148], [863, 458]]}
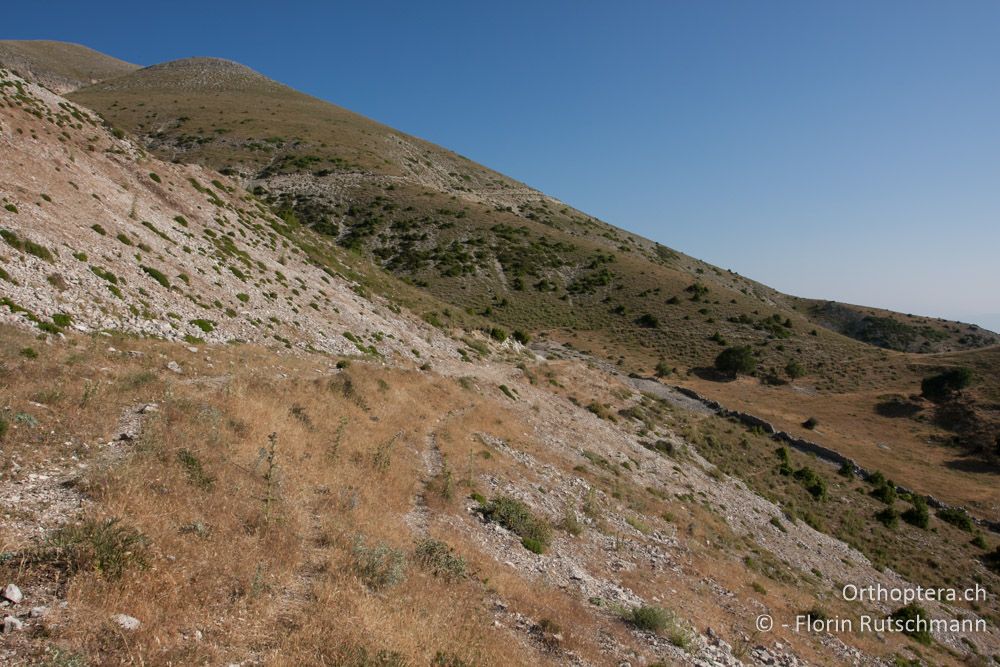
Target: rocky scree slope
{"points": [[98, 235]]}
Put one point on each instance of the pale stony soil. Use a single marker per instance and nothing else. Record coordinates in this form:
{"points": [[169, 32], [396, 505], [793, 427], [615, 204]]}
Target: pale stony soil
{"points": [[230, 246], [45, 149], [565, 431]]}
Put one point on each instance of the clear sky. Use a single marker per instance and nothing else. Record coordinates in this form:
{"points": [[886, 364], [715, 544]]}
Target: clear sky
{"points": [[846, 149]]}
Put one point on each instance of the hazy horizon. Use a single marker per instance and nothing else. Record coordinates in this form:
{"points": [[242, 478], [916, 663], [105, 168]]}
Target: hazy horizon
{"points": [[845, 152]]}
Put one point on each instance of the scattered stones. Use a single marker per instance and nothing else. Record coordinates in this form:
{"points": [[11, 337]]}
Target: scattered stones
{"points": [[126, 622], [174, 367], [11, 624], [13, 594]]}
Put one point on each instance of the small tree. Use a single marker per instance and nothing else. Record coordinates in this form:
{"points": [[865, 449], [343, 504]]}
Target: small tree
{"points": [[647, 321], [662, 369], [941, 386], [736, 360], [794, 369], [918, 515]]}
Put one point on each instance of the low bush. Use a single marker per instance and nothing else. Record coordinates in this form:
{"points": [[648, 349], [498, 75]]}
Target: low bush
{"points": [[913, 616], [888, 517], [918, 515], [517, 517], [957, 517], [812, 481], [156, 275], [380, 566], [439, 559], [106, 546], [649, 618]]}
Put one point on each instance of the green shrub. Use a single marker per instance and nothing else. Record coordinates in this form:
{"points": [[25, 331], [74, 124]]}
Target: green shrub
{"points": [[812, 481], [10, 207], [498, 334], [99, 229], [889, 517], [943, 385], [208, 326], [104, 274], [155, 177], [918, 515], [736, 360], [62, 320], [794, 369], [913, 614], [992, 560], [810, 423], [957, 517], [156, 275], [25, 245], [181, 220], [649, 618], [243, 297], [885, 490], [648, 321], [39, 251], [49, 327], [520, 337], [516, 517], [29, 353]]}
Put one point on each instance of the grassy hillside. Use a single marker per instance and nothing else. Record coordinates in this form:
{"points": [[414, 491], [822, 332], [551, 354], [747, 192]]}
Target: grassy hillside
{"points": [[464, 233], [493, 247], [896, 331], [60, 66]]}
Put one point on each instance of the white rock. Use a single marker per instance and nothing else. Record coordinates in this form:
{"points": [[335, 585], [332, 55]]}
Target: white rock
{"points": [[11, 624], [126, 622], [13, 593], [38, 612], [174, 366]]}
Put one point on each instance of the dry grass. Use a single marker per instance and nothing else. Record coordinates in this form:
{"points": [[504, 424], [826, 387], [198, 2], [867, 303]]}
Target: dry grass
{"points": [[217, 565]]}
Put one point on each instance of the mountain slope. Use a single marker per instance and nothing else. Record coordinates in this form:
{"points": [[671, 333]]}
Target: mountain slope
{"points": [[494, 248], [60, 66], [135, 244], [312, 474]]}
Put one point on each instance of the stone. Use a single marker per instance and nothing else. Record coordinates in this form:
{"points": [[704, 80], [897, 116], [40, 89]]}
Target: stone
{"points": [[126, 622], [11, 624], [38, 612], [174, 367], [13, 593]]}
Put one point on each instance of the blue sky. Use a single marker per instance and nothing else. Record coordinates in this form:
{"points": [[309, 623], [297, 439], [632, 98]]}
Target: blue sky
{"points": [[846, 150]]}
